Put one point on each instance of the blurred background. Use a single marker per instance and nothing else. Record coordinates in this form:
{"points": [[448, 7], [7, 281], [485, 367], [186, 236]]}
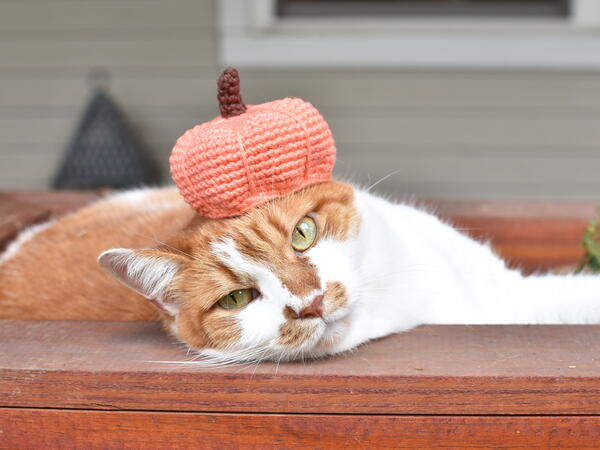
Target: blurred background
{"points": [[447, 98]]}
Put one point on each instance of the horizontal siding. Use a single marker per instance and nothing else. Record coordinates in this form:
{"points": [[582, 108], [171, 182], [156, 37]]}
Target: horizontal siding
{"points": [[148, 51], [547, 94], [523, 190], [387, 134], [447, 133], [495, 177], [28, 170], [30, 19], [491, 169], [49, 47]]}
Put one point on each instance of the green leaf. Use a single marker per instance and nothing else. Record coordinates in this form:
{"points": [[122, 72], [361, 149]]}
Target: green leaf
{"points": [[591, 244]]}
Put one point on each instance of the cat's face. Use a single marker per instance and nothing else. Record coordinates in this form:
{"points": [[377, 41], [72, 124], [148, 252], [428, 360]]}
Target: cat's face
{"points": [[274, 283]]}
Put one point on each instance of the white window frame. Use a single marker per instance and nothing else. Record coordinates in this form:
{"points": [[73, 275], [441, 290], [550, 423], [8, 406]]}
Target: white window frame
{"points": [[251, 35]]}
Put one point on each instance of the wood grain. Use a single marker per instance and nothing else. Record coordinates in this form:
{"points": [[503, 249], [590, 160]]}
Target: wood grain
{"points": [[20, 429], [531, 235], [19, 210], [430, 370]]}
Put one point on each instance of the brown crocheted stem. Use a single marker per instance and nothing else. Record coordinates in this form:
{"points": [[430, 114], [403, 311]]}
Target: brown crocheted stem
{"points": [[230, 100]]}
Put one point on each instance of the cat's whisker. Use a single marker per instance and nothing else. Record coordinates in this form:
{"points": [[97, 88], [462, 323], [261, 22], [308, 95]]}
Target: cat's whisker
{"points": [[235, 357], [158, 241], [278, 363], [256, 366], [382, 179]]}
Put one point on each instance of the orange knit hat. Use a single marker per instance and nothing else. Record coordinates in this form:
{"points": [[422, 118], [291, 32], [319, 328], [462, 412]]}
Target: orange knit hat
{"points": [[251, 154]]}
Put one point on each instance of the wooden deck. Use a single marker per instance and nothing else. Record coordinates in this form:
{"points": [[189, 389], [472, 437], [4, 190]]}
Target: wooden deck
{"points": [[117, 384]]}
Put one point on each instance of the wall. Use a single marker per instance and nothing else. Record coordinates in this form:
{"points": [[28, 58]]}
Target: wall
{"points": [[453, 134]]}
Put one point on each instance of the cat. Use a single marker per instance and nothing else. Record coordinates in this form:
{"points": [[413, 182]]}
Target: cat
{"points": [[315, 273]]}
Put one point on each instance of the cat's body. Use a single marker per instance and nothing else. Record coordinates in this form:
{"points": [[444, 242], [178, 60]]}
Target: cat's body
{"points": [[51, 270], [374, 268]]}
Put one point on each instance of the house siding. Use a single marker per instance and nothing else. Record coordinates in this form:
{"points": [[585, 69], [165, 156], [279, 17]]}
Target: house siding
{"points": [[514, 134]]}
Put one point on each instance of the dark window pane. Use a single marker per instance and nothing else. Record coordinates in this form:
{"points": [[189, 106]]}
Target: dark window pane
{"points": [[311, 8]]}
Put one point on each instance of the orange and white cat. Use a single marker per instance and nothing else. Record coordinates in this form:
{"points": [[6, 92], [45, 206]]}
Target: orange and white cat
{"points": [[317, 272]]}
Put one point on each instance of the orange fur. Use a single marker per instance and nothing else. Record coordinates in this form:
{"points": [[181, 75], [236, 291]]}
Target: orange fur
{"points": [[55, 274], [336, 297], [293, 334]]}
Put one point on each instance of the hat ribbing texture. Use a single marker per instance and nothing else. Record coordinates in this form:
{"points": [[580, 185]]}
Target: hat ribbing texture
{"points": [[229, 165]]}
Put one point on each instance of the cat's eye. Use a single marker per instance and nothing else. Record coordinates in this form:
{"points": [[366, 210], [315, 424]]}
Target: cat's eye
{"points": [[304, 234], [237, 299]]}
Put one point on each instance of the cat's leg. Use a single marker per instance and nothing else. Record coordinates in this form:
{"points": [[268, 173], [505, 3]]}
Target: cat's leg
{"points": [[536, 299], [573, 299], [511, 298]]}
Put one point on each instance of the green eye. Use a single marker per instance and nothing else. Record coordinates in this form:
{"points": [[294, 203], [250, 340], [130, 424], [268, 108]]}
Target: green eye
{"points": [[237, 299], [304, 234]]}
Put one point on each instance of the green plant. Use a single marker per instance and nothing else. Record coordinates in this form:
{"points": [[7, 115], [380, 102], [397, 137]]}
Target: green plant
{"points": [[591, 243]]}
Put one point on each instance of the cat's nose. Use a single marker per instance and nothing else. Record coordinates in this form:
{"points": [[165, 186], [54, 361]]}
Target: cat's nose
{"points": [[315, 309]]}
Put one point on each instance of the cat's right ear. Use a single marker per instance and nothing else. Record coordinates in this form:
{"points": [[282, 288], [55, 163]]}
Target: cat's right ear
{"points": [[148, 272]]}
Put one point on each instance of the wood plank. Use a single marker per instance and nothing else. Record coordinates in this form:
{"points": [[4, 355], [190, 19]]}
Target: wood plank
{"points": [[430, 370], [530, 235], [19, 210], [14, 216], [530, 244], [57, 203], [93, 429]]}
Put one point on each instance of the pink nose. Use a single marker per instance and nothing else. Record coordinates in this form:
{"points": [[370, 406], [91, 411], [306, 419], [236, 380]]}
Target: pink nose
{"points": [[315, 309]]}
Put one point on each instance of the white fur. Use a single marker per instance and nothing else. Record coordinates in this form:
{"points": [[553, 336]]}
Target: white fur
{"points": [[142, 199], [147, 275], [261, 319], [405, 267], [414, 269], [24, 236]]}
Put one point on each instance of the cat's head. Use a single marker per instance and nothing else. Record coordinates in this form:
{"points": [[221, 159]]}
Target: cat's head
{"points": [[274, 283]]}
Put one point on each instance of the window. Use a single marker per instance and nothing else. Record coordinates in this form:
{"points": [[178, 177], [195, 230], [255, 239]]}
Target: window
{"points": [[515, 8], [411, 33]]}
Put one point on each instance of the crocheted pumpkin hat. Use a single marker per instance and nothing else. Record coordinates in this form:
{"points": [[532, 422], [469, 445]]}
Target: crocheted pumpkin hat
{"points": [[251, 154]]}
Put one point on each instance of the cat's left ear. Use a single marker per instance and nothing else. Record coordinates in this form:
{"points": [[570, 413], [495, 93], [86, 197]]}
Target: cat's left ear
{"points": [[148, 272]]}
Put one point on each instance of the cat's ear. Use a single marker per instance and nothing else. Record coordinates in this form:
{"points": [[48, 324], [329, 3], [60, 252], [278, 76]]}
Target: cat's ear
{"points": [[148, 272]]}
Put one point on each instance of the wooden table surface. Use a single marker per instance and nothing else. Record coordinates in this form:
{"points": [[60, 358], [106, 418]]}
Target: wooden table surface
{"points": [[430, 370], [127, 385]]}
